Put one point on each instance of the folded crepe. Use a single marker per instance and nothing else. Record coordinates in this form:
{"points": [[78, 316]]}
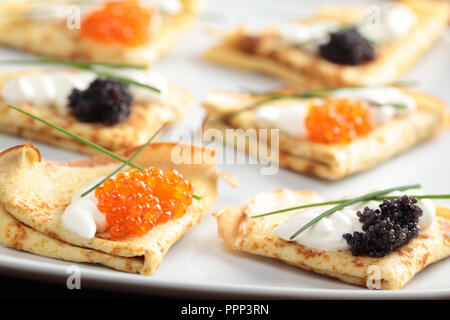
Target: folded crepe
{"points": [[255, 235], [34, 194]]}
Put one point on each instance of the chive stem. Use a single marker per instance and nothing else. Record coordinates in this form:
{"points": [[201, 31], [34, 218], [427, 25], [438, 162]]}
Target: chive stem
{"points": [[93, 67], [379, 198], [314, 93], [126, 163], [73, 63], [85, 141], [89, 143]]}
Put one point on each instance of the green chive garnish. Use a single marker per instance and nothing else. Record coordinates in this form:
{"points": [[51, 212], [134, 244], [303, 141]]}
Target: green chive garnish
{"points": [[73, 135], [97, 68], [352, 201], [127, 163], [73, 63], [379, 198], [87, 142], [311, 205], [314, 93]]}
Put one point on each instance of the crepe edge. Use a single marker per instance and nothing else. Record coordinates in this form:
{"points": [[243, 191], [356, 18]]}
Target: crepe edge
{"points": [[19, 236]]}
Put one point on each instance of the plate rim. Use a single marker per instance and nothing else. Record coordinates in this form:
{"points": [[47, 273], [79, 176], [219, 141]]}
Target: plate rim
{"points": [[125, 282]]}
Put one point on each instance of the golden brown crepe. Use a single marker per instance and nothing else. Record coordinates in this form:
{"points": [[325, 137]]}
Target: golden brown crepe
{"points": [[143, 122], [52, 38], [243, 50], [256, 235], [328, 161], [34, 194]]}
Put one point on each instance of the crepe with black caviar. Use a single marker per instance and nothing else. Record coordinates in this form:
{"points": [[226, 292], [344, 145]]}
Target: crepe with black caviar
{"points": [[264, 52], [255, 235], [34, 194], [144, 120], [330, 161], [20, 29]]}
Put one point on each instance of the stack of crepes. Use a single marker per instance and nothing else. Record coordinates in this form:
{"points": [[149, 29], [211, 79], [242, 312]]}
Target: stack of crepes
{"points": [[34, 194]]}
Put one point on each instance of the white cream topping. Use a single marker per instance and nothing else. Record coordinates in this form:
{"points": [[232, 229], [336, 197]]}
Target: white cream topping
{"points": [[52, 89], [288, 118], [299, 34], [149, 78], [45, 89], [42, 11], [394, 22], [327, 234], [391, 23], [82, 216], [168, 6], [386, 96]]}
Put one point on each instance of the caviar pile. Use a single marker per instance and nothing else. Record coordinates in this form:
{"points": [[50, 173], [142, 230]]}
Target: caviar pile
{"points": [[338, 120], [105, 101], [136, 201], [119, 22], [347, 47], [387, 228]]}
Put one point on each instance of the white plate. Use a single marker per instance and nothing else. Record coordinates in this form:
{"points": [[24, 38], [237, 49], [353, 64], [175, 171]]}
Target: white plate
{"points": [[198, 264]]}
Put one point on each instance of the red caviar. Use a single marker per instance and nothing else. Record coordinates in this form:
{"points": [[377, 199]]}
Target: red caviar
{"points": [[119, 22], [136, 201], [338, 120]]}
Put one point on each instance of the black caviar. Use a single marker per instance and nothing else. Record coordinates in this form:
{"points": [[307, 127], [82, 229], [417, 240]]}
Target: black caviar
{"points": [[347, 47], [394, 224], [106, 101]]}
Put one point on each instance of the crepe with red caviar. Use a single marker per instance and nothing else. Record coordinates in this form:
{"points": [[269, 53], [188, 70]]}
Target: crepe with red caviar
{"points": [[138, 38], [145, 118], [266, 52], [255, 235], [34, 194], [331, 160]]}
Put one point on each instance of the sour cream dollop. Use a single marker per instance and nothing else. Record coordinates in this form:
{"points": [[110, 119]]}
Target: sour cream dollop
{"points": [[52, 89], [391, 23], [82, 216], [288, 118], [300, 34], [149, 78], [44, 12], [327, 234], [168, 6], [45, 89]]}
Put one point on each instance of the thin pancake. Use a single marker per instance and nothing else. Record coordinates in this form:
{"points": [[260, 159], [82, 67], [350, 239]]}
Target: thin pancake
{"points": [[255, 235]]}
